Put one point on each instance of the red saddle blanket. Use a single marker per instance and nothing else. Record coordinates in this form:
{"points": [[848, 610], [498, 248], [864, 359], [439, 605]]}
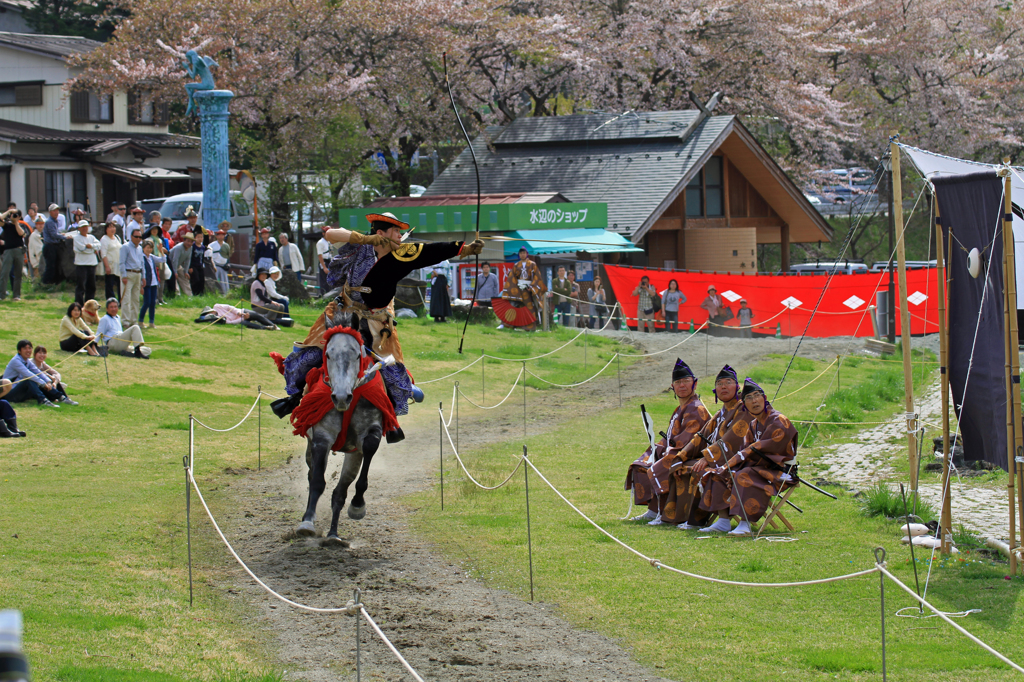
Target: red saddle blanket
{"points": [[317, 402]]}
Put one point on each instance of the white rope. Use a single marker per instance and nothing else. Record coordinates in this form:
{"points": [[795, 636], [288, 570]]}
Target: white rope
{"points": [[452, 415], [946, 618], [424, 383], [551, 383], [659, 352], [247, 414], [916, 613], [657, 564], [463, 465], [269, 395], [484, 407], [390, 645]]}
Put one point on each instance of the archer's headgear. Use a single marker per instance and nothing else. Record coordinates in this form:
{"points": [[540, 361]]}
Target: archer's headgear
{"points": [[727, 372], [750, 386], [385, 221], [681, 371]]}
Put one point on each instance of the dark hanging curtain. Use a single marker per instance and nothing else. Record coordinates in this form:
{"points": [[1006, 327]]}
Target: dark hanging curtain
{"points": [[971, 206]]}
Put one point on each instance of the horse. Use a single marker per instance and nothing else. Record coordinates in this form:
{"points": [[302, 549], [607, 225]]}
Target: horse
{"points": [[342, 357]]}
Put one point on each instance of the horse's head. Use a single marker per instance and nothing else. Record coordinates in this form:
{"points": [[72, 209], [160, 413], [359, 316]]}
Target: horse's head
{"points": [[342, 358]]}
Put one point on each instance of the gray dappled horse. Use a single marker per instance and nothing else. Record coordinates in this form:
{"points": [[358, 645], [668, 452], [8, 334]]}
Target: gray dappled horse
{"points": [[342, 360]]}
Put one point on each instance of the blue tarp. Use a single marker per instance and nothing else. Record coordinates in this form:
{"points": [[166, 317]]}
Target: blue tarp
{"points": [[589, 239]]}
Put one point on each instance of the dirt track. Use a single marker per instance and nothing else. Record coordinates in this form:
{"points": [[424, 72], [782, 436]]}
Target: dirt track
{"points": [[449, 626]]}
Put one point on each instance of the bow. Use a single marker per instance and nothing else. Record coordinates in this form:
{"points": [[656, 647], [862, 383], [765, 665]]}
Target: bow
{"points": [[476, 168]]}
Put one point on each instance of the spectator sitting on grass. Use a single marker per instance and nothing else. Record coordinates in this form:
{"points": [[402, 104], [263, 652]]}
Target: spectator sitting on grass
{"points": [[39, 362], [8, 417], [120, 340], [91, 312], [29, 382], [74, 334], [271, 284]]}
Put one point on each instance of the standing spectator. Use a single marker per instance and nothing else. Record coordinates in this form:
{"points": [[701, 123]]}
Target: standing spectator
{"points": [[116, 216], [562, 290], [746, 316], [323, 256], [160, 248], [597, 299], [29, 382], [440, 302], [156, 219], [574, 300], [713, 304], [53, 237], [110, 254], [35, 248], [260, 298], [74, 334], [289, 255], [130, 269], [671, 298], [33, 213], [77, 216], [197, 266], [271, 284], [135, 223], [645, 294], [265, 253], [220, 251], [181, 256], [86, 247], [8, 417], [191, 221], [12, 239], [120, 340], [150, 280], [487, 287], [90, 312]]}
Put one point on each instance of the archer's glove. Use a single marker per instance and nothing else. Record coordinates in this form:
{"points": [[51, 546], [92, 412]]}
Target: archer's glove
{"points": [[371, 239], [472, 248]]}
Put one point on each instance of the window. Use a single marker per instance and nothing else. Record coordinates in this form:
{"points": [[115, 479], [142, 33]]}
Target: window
{"points": [[88, 107], [65, 187], [144, 110], [21, 94], [705, 191], [240, 205]]}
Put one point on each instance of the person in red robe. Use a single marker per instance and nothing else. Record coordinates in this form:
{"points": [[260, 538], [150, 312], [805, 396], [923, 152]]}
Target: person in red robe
{"points": [[647, 476]]}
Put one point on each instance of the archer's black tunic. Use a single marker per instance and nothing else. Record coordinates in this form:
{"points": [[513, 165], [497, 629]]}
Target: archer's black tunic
{"points": [[388, 271]]}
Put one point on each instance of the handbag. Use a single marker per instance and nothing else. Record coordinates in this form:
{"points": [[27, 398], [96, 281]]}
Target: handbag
{"points": [[726, 314], [655, 303]]}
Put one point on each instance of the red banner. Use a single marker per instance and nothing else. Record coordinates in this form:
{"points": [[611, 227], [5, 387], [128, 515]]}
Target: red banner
{"points": [[786, 301]]}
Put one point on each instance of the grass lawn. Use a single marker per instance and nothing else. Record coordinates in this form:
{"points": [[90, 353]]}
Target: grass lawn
{"points": [[689, 629], [92, 547]]}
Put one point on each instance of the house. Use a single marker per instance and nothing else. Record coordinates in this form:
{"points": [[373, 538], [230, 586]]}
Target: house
{"points": [[81, 148], [693, 190]]}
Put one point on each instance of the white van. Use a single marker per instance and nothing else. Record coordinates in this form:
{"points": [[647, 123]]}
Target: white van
{"points": [[826, 267], [174, 208]]}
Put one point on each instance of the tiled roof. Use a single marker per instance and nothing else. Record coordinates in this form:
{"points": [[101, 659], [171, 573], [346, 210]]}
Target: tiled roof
{"points": [[22, 132], [466, 199], [633, 163], [54, 46]]}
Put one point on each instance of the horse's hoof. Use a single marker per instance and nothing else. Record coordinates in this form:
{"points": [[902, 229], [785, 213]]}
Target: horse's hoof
{"points": [[333, 541], [356, 513], [306, 529]]}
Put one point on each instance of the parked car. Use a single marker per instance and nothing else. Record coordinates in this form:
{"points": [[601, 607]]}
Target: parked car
{"points": [[883, 266], [174, 208], [826, 267]]}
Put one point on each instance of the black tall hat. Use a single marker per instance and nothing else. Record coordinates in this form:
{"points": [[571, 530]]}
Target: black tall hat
{"points": [[750, 386], [728, 372], [681, 371]]}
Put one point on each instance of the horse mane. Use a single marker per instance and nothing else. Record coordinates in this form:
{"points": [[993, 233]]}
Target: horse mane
{"points": [[342, 329]]}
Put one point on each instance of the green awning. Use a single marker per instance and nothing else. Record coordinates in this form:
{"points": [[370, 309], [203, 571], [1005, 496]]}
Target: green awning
{"points": [[588, 239]]}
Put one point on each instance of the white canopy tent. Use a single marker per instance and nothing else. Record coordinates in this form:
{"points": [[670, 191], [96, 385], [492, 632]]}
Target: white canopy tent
{"points": [[930, 165]]}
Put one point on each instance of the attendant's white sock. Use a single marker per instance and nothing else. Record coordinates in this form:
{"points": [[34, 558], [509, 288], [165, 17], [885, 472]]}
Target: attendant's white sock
{"points": [[742, 528], [722, 525]]}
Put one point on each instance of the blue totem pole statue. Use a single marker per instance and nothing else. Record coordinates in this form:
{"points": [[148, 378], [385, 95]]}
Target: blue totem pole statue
{"points": [[212, 106]]}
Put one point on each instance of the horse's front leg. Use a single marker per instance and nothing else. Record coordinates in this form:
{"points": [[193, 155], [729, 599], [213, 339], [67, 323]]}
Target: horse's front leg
{"points": [[320, 450], [348, 474], [370, 442]]}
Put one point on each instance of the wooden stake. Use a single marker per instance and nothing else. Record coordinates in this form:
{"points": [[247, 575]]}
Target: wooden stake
{"points": [[1014, 436], [947, 515], [901, 255]]}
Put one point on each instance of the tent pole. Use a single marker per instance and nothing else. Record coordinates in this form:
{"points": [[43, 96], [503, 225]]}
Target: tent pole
{"points": [[901, 254], [947, 514], [1014, 436]]}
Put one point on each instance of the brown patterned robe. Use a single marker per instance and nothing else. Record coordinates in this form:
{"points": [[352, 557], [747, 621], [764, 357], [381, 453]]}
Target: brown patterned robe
{"points": [[770, 442], [723, 437], [684, 422], [667, 497], [529, 296]]}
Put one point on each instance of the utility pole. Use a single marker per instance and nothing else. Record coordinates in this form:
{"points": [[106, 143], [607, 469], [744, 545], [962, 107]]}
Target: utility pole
{"points": [[890, 324]]}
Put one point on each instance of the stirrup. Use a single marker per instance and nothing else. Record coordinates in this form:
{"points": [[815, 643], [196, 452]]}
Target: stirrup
{"points": [[417, 393], [284, 406]]}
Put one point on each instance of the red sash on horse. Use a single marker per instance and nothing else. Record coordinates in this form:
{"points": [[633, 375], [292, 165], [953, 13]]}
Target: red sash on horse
{"points": [[317, 403]]}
